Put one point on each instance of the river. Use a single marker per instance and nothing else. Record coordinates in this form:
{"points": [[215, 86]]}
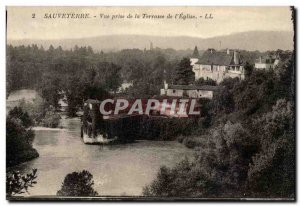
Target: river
{"points": [[117, 169]]}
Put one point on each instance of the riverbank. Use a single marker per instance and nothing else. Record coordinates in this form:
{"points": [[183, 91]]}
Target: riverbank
{"points": [[25, 156]]}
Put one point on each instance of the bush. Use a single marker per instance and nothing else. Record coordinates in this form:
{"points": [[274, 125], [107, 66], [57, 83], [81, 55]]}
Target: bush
{"points": [[195, 141], [184, 180], [78, 184], [51, 119], [41, 113]]}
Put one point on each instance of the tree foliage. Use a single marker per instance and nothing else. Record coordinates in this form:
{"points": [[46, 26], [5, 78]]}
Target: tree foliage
{"points": [[78, 184], [19, 138], [249, 150], [184, 72], [19, 184]]}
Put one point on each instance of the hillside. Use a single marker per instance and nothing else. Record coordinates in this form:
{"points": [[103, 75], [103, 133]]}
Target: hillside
{"points": [[254, 40]]}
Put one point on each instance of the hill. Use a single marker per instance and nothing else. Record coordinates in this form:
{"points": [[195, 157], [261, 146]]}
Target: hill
{"points": [[253, 40]]}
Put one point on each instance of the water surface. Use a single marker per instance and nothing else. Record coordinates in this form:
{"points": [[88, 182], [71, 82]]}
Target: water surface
{"points": [[117, 169]]}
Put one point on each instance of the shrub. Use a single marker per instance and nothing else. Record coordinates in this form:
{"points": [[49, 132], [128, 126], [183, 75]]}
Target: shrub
{"points": [[51, 119], [78, 184], [194, 141], [184, 180], [41, 113]]}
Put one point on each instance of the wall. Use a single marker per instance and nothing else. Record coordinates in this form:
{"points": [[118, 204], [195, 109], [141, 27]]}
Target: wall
{"points": [[217, 72], [193, 61], [174, 92], [200, 94], [263, 66]]}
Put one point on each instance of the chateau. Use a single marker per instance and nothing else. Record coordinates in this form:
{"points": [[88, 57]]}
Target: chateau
{"points": [[217, 65]]}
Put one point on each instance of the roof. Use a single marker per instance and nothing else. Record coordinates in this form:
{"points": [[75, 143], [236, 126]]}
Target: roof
{"points": [[195, 53], [193, 87], [214, 57]]}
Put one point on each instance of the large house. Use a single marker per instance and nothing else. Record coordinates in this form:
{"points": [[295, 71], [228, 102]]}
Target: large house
{"points": [[267, 62], [218, 65]]}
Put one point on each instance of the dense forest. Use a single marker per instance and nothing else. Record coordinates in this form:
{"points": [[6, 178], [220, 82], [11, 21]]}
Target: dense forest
{"points": [[31, 66]]}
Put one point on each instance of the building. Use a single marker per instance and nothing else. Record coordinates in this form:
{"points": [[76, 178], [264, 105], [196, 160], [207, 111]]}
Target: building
{"points": [[218, 65], [190, 91], [267, 62]]}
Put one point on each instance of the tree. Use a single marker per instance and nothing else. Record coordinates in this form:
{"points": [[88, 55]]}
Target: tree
{"points": [[184, 72], [248, 69], [201, 81], [19, 138], [74, 94], [184, 180], [223, 99], [109, 76], [18, 113], [50, 89], [272, 171], [19, 184], [78, 184]]}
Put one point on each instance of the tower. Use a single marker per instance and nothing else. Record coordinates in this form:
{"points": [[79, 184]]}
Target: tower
{"points": [[195, 56]]}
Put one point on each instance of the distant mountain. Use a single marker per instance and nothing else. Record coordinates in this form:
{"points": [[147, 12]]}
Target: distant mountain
{"points": [[254, 40]]}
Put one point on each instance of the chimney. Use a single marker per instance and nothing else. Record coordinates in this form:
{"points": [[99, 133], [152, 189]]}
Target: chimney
{"points": [[260, 59], [235, 57], [211, 51], [227, 51]]}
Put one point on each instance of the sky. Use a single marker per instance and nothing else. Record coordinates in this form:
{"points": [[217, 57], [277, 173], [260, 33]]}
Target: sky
{"points": [[226, 20]]}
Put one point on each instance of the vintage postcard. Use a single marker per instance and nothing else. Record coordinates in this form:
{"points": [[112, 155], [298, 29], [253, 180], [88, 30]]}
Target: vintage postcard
{"points": [[150, 103]]}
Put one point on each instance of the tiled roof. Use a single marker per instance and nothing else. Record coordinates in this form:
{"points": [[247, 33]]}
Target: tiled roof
{"points": [[216, 58]]}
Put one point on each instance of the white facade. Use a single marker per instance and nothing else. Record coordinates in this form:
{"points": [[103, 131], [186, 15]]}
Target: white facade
{"points": [[218, 65], [218, 72], [193, 61], [271, 64]]}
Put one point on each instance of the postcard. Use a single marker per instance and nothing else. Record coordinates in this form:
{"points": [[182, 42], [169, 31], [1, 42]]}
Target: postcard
{"points": [[150, 103]]}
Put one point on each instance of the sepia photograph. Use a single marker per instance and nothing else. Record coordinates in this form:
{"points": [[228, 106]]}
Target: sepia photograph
{"points": [[174, 103]]}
